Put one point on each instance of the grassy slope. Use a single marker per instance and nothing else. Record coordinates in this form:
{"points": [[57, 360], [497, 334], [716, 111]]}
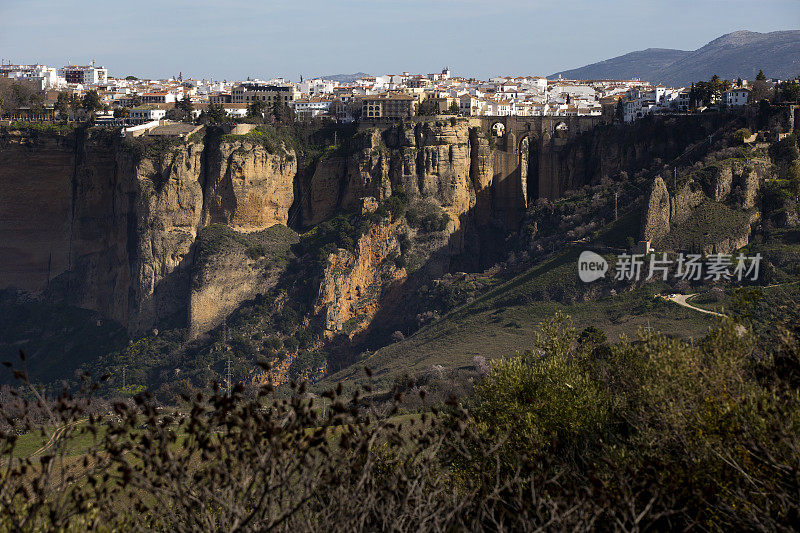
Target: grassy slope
{"points": [[504, 322]]}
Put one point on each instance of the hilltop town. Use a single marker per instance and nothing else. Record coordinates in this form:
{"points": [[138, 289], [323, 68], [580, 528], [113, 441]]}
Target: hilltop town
{"points": [[61, 93]]}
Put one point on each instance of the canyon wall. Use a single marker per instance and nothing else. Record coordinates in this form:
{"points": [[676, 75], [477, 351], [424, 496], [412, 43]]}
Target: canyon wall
{"points": [[110, 225]]}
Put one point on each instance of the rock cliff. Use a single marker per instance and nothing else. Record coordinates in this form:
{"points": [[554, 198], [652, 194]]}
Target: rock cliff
{"points": [[110, 224], [426, 159], [711, 208], [352, 283]]}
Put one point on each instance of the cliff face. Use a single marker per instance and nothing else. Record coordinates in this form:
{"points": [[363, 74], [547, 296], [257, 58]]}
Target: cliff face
{"points": [[112, 226], [428, 159], [249, 188], [352, 284], [36, 177], [166, 197], [229, 268]]}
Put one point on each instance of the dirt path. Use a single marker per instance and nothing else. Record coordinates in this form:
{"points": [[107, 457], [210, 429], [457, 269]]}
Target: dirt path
{"points": [[681, 299], [53, 438]]}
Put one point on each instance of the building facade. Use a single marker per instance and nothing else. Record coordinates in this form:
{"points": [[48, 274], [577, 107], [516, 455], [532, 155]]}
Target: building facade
{"points": [[394, 106], [84, 74], [249, 92]]}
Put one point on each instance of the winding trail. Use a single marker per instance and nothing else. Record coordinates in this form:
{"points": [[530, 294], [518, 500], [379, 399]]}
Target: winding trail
{"points": [[53, 438], [681, 299]]}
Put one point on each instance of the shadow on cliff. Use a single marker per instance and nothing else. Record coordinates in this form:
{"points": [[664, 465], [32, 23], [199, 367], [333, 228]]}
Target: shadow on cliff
{"points": [[471, 248]]}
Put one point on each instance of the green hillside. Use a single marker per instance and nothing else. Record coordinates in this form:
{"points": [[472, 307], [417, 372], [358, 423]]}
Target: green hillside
{"points": [[504, 322]]}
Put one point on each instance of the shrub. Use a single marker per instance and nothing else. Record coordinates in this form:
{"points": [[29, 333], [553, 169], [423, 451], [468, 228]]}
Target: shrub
{"points": [[255, 251], [662, 435], [742, 134], [427, 217]]}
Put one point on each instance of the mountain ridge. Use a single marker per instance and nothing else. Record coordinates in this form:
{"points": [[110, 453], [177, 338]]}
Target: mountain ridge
{"points": [[737, 54]]}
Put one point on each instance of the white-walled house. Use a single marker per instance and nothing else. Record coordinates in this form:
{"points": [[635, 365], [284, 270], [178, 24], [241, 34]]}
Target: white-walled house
{"points": [[146, 114], [307, 108], [736, 97]]}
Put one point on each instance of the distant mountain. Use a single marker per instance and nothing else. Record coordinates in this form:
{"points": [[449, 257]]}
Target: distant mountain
{"points": [[345, 78], [737, 54]]}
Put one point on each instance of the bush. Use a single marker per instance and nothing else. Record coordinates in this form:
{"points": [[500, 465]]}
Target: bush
{"points": [[661, 435], [427, 217], [326, 237], [742, 134], [255, 251]]}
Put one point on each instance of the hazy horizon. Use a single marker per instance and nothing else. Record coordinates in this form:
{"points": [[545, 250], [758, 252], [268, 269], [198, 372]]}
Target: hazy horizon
{"points": [[476, 39]]}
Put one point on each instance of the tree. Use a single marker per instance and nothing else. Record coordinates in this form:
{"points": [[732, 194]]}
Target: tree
{"points": [[62, 104], [760, 76], [789, 91], [136, 100], [282, 112], [215, 114], [257, 109], [184, 108], [760, 90], [131, 78], [428, 107], [91, 102], [121, 112], [454, 109]]}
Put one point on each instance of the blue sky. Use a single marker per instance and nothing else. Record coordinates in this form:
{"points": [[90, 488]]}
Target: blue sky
{"points": [[233, 39]]}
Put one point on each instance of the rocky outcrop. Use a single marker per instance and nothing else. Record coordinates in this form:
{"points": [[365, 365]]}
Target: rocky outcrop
{"points": [[712, 211], [426, 159], [230, 268], [324, 192], [742, 177], [655, 223], [167, 201], [684, 201], [352, 283]]}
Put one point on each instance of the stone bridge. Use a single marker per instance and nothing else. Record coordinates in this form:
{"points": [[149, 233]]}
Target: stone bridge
{"points": [[526, 156]]}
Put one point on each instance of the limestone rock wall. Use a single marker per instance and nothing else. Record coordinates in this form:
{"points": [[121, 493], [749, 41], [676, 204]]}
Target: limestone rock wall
{"points": [[36, 190], [351, 286], [428, 159], [712, 209], [102, 225], [167, 200], [249, 188], [656, 221]]}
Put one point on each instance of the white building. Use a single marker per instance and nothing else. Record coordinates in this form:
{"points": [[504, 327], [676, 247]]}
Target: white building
{"points": [[84, 74], [471, 105], [736, 97], [48, 76], [146, 114], [307, 108], [315, 87]]}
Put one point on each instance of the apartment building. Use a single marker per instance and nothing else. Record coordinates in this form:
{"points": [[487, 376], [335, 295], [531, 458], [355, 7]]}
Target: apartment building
{"points": [[84, 74]]}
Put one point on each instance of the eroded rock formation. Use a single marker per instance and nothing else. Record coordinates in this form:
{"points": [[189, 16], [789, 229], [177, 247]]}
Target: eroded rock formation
{"points": [[110, 226]]}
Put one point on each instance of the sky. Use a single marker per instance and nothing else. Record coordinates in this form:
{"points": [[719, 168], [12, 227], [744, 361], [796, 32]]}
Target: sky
{"points": [[234, 39]]}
